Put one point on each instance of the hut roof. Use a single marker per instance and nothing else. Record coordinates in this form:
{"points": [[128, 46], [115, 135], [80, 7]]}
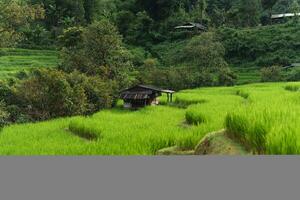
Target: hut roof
{"points": [[191, 25], [140, 92], [283, 15], [148, 87], [293, 65]]}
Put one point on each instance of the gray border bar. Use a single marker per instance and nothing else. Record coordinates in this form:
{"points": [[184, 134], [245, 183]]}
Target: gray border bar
{"points": [[149, 178]]}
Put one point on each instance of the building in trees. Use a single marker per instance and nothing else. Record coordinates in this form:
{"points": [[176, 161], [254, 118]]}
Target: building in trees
{"points": [[142, 95], [278, 18], [191, 26]]}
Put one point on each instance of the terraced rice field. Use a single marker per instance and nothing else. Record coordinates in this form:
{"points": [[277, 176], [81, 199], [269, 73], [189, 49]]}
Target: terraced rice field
{"points": [[13, 61], [262, 117]]}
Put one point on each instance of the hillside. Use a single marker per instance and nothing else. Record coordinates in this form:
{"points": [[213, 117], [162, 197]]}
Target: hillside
{"points": [[250, 49]]}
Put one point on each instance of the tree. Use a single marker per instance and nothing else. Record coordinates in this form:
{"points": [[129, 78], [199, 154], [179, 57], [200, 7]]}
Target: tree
{"points": [[248, 13], [13, 16], [58, 10], [140, 30], [90, 8], [271, 74], [268, 4], [99, 52], [3, 115], [52, 93], [205, 52], [295, 8], [218, 11]]}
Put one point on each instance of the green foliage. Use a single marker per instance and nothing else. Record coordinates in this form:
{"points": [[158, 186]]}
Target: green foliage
{"points": [[227, 77], [271, 74], [205, 52], [50, 93], [293, 75], [15, 15], [72, 37], [100, 53], [248, 50], [3, 116]]}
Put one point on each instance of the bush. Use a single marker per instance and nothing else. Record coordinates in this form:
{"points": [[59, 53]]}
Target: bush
{"points": [[52, 93], [294, 75], [271, 74], [227, 77], [3, 116]]}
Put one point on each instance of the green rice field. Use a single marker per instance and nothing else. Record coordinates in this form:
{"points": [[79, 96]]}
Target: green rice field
{"points": [[14, 60], [262, 117]]}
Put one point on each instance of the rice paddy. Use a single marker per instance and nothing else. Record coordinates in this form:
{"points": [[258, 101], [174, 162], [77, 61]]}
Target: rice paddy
{"points": [[13, 61], [262, 117]]}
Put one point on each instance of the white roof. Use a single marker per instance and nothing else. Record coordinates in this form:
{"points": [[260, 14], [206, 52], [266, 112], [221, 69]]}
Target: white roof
{"points": [[284, 15]]}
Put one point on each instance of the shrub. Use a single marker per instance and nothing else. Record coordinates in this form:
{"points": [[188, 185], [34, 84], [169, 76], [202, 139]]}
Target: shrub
{"points": [[227, 77], [47, 94], [294, 75], [271, 74], [3, 116], [52, 93]]}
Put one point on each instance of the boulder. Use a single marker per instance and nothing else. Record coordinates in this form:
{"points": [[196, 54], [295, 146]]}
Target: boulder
{"points": [[218, 143]]}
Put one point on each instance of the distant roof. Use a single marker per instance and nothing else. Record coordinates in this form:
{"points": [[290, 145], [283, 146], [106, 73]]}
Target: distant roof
{"points": [[191, 25], [283, 15], [150, 87], [292, 65], [295, 64]]}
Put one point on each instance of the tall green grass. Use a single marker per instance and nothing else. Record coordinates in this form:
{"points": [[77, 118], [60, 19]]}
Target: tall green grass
{"points": [[85, 129], [270, 124]]}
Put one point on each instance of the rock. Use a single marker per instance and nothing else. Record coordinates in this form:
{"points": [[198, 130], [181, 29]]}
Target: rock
{"points": [[174, 151], [218, 143]]}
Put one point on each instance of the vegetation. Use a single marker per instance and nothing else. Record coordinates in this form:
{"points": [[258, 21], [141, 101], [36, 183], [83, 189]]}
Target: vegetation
{"points": [[66, 58], [264, 127], [16, 61]]}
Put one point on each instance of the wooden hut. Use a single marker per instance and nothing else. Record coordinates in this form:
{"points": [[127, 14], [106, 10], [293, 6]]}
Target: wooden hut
{"points": [[143, 95]]}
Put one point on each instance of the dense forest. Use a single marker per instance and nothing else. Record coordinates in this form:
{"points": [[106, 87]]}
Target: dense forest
{"points": [[109, 45]]}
